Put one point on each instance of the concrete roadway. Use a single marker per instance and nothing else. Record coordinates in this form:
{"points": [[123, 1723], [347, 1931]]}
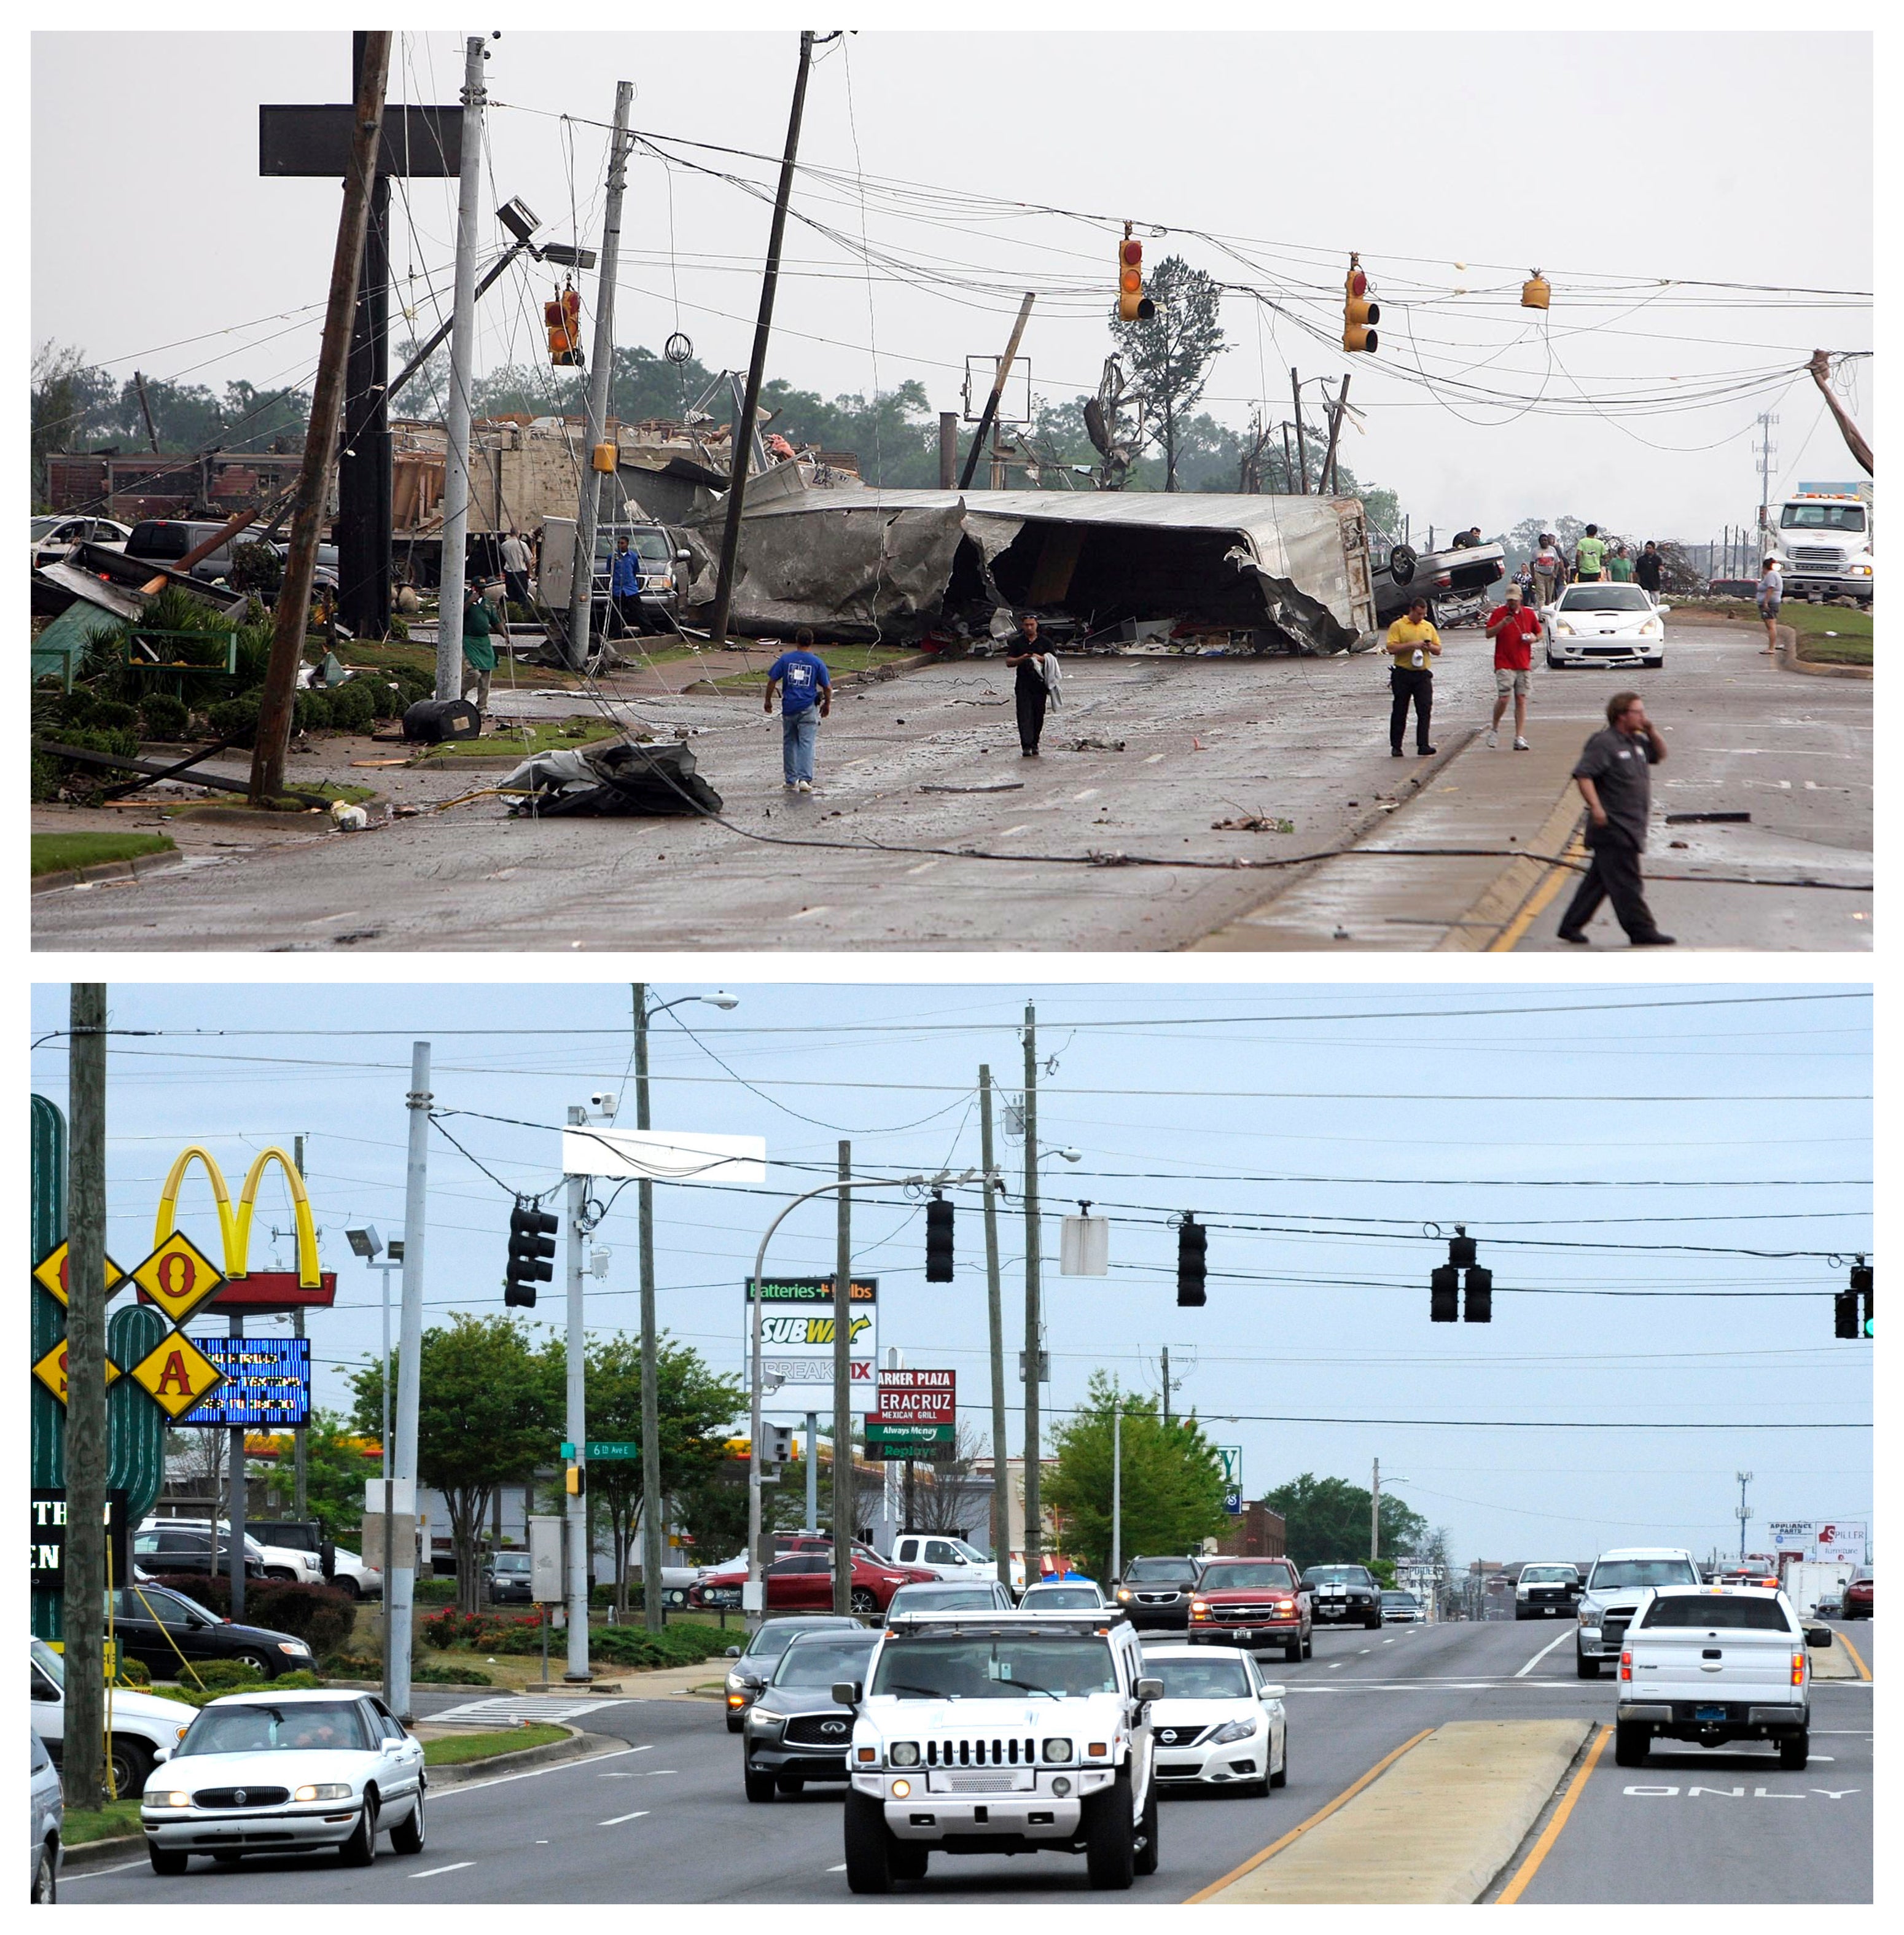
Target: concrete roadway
{"points": [[663, 1818]]}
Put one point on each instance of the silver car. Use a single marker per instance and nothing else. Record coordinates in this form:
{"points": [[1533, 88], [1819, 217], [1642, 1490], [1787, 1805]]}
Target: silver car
{"points": [[47, 1811], [306, 1769]]}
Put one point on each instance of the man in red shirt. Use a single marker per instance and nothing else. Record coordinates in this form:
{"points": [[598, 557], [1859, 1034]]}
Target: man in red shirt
{"points": [[1513, 630]]}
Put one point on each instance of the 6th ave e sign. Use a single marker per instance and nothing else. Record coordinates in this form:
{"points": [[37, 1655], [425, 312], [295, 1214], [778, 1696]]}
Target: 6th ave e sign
{"points": [[594, 1448]]}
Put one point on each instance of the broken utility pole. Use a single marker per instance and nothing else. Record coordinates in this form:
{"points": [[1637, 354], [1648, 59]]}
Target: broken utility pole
{"points": [[743, 436], [1327, 481], [327, 400], [1820, 367], [581, 598], [145, 410], [990, 415]]}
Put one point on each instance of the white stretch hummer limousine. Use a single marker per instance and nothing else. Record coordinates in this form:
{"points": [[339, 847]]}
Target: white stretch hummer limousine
{"points": [[1710, 1664], [995, 1733]]}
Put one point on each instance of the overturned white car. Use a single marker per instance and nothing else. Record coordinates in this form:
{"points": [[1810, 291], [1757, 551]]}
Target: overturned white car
{"points": [[993, 1733]]}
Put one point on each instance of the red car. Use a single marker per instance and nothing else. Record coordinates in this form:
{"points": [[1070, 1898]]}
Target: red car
{"points": [[802, 1582], [1252, 1603], [1857, 1597]]}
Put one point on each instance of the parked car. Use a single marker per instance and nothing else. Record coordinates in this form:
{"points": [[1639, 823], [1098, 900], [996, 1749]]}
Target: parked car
{"points": [[54, 537], [1615, 1587], [1219, 1723], [1155, 1593], [1546, 1591], [1066, 1595], [1709, 1664], [344, 1570], [660, 557], [1604, 624], [803, 1581], [1343, 1596], [1252, 1603], [165, 540], [295, 1772], [143, 1723], [188, 1549], [950, 1558], [1401, 1609], [46, 1809], [796, 1731], [1858, 1597], [753, 1664], [945, 1596], [162, 1629], [159, 1541], [507, 1577]]}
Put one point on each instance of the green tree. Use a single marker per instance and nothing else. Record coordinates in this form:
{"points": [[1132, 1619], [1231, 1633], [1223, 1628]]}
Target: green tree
{"points": [[1327, 1520], [1169, 357], [1172, 1479], [335, 1468], [489, 1411], [67, 400], [696, 1409]]}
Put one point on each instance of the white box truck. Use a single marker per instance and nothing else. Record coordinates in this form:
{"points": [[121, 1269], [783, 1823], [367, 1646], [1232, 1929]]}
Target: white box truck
{"points": [[1809, 1581], [1823, 541]]}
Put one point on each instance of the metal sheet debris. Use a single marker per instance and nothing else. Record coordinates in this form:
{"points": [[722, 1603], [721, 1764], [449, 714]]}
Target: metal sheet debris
{"points": [[617, 780]]}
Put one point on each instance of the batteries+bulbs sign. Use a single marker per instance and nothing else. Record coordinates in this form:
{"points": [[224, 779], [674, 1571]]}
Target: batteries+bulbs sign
{"points": [[797, 1318]]}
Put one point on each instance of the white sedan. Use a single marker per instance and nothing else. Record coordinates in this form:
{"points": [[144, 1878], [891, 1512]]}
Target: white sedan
{"points": [[1219, 1723], [1604, 624], [307, 1770]]}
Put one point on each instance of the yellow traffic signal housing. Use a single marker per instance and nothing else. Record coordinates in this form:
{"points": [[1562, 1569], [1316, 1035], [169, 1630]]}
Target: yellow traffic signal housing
{"points": [[572, 1481], [1359, 314], [1130, 279], [1535, 291], [563, 319]]}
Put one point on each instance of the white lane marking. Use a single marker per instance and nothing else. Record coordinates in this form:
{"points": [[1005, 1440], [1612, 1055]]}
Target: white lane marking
{"points": [[1562, 1635], [1153, 759], [615, 1820], [1388, 1642], [1370, 1649], [1334, 1665], [1089, 793], [923, 867], [807, 913], [428, 1874], [1026, 828], [530, 1773], [839, 1868], [93, 1874]]}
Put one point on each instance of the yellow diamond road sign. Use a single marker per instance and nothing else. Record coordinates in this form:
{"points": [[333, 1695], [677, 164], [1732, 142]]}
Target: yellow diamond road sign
{"points": [[178, 1276], [51, 1370], [175, 1373], [50, 1274]]}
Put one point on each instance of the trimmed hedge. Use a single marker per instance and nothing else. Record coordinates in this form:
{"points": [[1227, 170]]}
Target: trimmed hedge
{"points": [[319, 1615], [163, 717], [673, 1646], [482, 1632], [225, 1675]]}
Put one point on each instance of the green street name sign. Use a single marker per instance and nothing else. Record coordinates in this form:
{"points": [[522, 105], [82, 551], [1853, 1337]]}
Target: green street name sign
{"points": [[603, 1448]]}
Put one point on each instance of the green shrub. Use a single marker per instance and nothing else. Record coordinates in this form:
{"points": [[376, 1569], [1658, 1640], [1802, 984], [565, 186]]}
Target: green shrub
{"points": [[482, 1632], [221, 1676], [110, 715], [48, 772], [451, 1676], [163, 717], [359, 1666], [311, 713], [400, 626], [75, 708], [235, 719], [434, 1591], [353, 707], [321, 1616], [135, 1673], [673, 1646], [256, 568]]}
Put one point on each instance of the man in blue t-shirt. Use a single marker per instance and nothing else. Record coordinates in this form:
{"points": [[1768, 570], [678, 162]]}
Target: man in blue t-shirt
{"points": [[806, 694]]}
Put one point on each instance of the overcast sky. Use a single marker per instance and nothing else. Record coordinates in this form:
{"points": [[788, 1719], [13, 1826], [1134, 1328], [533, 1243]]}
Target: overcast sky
{"points": [[1579, 1136], [1614, 160]]}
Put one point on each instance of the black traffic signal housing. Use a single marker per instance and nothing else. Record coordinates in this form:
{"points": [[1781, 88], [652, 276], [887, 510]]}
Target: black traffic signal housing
{"points": [[1133, 305], [1359, 314], [532, 1244], [938, 1240], [1862, 1288], [1443, 1294], [1478, 1306], [1844, 1314], [1192, 1244]]}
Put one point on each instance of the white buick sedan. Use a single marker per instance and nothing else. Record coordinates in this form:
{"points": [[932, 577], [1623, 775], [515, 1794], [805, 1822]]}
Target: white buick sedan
{"points": [[1605, 624], [310, 1768], [1219, 1723]]}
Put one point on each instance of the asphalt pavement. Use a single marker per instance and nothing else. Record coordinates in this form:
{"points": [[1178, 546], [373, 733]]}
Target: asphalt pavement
{"points": [[661, 1817]]}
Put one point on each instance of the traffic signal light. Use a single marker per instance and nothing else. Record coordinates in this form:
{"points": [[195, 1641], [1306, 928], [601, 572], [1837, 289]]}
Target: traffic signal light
{"points": [[1443, 1294], [1192, 1241], [563, 319], [532, 1243], [575, 1482], [938, 1240], [1461, 1247], [1479, 1308], [1133, 305], [1844, 1314], [1359, 314], [1861, 1286]]}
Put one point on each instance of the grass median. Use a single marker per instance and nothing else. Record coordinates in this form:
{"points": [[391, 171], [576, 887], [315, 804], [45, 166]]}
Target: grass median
{"points": [[460, 1749], [60, 852], [1829, 634], [99, 1824]]}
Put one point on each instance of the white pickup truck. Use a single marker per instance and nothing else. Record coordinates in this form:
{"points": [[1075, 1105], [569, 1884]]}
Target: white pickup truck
{"points": [[1710, 1664]]}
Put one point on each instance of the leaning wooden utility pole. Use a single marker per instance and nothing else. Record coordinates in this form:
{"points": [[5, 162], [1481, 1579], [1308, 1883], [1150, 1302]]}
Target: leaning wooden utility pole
{"points": [[581, 597], [736, 476], [1325, 482], [1820, 367], [992, 402], [280, 695], [83, 1615]]}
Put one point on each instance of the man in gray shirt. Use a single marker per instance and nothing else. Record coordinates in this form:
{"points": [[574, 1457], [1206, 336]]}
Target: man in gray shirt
{"points": [[1614, 775]]}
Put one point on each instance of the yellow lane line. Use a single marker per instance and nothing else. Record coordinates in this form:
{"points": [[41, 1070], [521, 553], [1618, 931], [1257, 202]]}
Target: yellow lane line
{"points": [[1511, 936], [1321, 1814], [1551, 1833], [1858, 1660]]}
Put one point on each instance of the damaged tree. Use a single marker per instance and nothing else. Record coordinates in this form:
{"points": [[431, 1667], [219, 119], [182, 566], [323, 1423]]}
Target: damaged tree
{"points": [[1170, 355]]}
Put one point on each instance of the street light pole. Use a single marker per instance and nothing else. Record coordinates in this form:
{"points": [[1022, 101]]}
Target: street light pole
{"points": [[577, 1368], [400, 1582], [651, 1502], [1001, 1463], [1033, 1320], [1117, 1485]]}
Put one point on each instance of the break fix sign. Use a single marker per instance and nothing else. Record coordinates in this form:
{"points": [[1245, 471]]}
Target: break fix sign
{"points": [[918, 1397]]}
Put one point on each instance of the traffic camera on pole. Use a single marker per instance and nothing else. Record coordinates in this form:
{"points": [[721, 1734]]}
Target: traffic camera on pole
{"points": [[1359, 314], [938, 1240], [1192, 1242], [532, 1245], [1133, 305]]}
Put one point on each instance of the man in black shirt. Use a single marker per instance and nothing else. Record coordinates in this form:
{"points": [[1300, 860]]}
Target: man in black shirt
{"points": [[1614, 775], [1649, 567], [1031, 694]]}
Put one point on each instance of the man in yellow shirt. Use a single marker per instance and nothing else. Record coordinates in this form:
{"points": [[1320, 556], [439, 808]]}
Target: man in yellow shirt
{"points": [[1412, 642]]}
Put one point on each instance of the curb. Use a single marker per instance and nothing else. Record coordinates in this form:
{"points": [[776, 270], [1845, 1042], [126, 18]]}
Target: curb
{"points": [[1508, 894], [578, 1746], [109, 869], [96, 1854], [1789, 657]]}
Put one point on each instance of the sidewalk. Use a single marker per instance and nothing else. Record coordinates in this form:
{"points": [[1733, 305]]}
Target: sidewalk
{"points": [[1498, 800]]}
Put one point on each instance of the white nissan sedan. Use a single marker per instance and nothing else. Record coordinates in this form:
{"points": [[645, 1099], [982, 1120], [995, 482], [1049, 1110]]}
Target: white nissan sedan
{"points": [[1605, 624], [311, 1768], [1219, 1723]]}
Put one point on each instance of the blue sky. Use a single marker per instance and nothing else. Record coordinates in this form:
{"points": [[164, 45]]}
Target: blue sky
{"points": [[1578, 1131]]}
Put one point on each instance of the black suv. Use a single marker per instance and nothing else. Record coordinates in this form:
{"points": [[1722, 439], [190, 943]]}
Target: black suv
{"points": [[796, 1731], [1343, 1596], [1154, 1594]]}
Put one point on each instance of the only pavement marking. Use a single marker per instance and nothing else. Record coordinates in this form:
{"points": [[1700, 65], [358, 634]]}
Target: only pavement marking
{"points": [[1542, 1654], [615, 1820]]}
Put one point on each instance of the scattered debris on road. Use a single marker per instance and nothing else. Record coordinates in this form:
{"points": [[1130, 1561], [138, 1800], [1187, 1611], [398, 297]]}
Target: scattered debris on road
{"points": [[1253, 822], [614, 780]]}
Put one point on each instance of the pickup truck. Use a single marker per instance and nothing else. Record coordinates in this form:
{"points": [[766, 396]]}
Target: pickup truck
{"points": [[1618, 1582], [1710, 1664]]}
